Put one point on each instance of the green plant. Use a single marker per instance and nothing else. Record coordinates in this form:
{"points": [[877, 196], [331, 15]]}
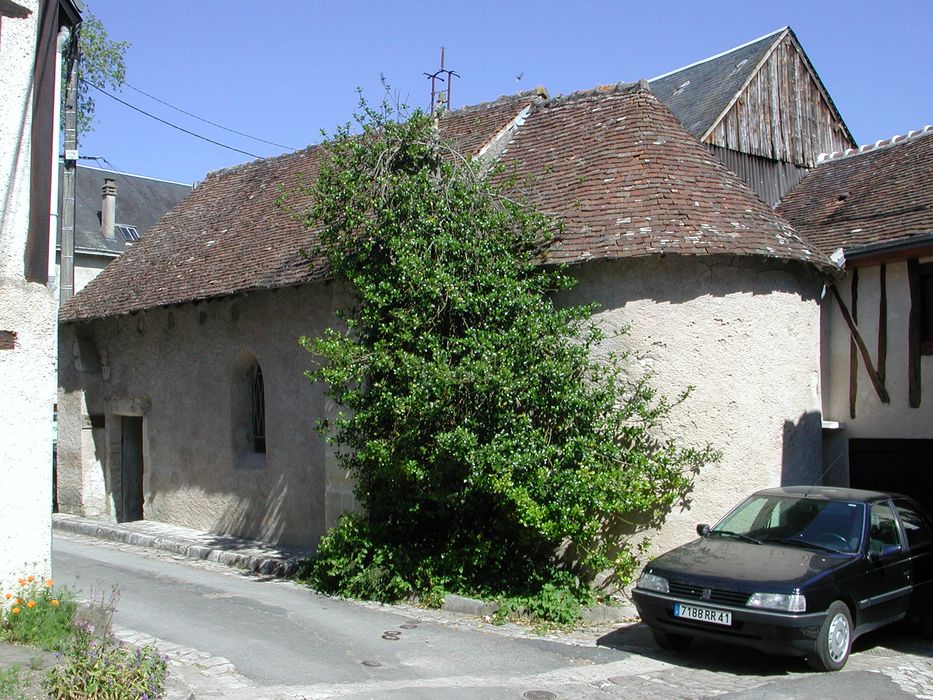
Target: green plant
{"points": [[482, 437], [11, 684], [37, 614], [556, 604], [95, 667], [101, 65]]}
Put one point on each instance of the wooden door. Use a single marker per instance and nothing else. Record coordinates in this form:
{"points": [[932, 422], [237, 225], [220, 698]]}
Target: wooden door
{"points": [[131, 468]]}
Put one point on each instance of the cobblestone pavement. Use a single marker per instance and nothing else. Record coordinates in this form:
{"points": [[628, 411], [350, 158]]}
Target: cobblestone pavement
{"points": [[887, 664]]}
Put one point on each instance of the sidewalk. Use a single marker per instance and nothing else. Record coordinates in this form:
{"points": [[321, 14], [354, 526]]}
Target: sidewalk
{"points": [[237, 552]]}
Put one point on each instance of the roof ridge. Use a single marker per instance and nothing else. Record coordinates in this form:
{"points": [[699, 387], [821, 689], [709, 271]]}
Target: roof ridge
{"points": [[539, 91], [258, 161], [895, 140], [126, 174], [720, 55], [600, 91]]}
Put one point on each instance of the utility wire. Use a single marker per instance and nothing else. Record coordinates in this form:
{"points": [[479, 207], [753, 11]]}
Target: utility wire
{"points": [[174, 126], [207, 121]]}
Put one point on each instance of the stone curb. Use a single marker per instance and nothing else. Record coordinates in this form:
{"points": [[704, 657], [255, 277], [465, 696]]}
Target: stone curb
{"points": [[282, 564], [599, 614]]}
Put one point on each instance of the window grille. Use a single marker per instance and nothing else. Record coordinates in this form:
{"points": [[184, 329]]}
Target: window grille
{"points": [[258, 394]]}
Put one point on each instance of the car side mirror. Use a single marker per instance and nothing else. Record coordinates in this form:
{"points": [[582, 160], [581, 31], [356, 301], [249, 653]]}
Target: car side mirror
{"points": [[879, 551], [703, 530]]}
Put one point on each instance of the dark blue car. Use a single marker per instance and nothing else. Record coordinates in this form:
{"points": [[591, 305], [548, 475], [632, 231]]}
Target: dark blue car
{"points": [[797, 571]]}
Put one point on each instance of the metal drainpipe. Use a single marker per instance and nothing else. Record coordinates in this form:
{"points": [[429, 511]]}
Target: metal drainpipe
{"points": [[63, 36], [67, 281]]}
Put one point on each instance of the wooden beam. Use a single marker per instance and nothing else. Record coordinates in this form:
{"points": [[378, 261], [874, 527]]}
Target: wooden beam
{"points": [[853, 349], [882, 322], [890, 256], [913, 340], [866, 358]]}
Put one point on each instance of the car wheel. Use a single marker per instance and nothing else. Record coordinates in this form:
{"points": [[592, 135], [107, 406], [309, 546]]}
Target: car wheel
{"points": [[834, 641], [671, 642]]}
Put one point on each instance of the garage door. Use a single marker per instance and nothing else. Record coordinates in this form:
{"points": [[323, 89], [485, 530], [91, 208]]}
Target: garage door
{"points": [[905, 466]]}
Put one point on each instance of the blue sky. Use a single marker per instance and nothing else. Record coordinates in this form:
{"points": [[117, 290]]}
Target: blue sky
{"points": [[283, 70]]}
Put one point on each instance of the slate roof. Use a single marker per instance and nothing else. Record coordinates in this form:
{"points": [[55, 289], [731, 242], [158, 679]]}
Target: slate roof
{"points": [[615, 164], [628, 180], [713, 83], [879, 194], [141, 202], [228, 235]]}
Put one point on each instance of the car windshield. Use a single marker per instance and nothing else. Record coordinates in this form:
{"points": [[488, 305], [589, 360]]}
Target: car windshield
{"points": [[834, 526]]}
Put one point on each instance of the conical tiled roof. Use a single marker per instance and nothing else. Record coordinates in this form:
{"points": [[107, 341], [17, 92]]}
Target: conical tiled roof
{"points": [[628, 180], [615, 165]]}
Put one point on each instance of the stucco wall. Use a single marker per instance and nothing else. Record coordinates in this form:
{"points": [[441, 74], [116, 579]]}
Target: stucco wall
{"points": [[874, 419], [28, 310], [184, 371], [745, 334]]}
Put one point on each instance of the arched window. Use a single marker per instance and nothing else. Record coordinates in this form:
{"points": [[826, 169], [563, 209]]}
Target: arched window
{"points": [[258, 410]]}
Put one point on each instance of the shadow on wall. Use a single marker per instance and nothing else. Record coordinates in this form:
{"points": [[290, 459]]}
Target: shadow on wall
{"points": [[261, 516], [680, 279], [802, 455]]}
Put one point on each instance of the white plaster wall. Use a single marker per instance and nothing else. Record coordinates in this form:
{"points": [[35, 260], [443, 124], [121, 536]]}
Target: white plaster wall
{"points": [[27, 370], [874, 419], [177, 367], [17, 56], [745, 334], [87, 267]]}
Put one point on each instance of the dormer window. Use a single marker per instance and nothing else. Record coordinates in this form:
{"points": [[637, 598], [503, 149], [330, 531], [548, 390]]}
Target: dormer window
{"points": [[130, 233]]}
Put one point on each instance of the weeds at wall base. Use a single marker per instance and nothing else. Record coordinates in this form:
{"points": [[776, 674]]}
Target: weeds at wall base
{"points": [[92, 664]]}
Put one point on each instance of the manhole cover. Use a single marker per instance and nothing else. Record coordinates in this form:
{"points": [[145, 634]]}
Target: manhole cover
{"points": [[391, 636], [408, 627], [540, 695], [372, 664]]}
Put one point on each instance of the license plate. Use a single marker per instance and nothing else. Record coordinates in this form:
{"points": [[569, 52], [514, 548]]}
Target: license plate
{"points": [[693, 612]]}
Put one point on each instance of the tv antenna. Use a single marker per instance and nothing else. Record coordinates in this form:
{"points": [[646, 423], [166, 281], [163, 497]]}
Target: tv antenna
{"points": [[440, 98]]}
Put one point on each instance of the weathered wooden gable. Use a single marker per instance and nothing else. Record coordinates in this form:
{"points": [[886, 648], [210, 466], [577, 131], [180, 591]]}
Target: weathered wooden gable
{"points": [[783, 111]]}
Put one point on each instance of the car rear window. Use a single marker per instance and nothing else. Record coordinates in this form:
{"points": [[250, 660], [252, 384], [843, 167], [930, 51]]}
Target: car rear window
{"points": [[916, 525]]}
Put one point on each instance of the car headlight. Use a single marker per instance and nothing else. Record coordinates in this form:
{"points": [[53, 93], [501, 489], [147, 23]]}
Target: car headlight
{"points": [[778, 601], [650, 582]]}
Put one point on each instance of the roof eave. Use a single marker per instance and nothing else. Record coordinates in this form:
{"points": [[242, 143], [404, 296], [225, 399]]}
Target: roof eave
{"points": [[917, 246]]}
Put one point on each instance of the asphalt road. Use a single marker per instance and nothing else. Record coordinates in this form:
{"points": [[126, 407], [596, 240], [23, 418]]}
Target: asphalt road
{"points": [[287, 642], [280, 634]]}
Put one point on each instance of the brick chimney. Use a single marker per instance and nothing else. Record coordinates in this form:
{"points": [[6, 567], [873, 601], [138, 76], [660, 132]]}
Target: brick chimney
{"points": [[108, 207]]}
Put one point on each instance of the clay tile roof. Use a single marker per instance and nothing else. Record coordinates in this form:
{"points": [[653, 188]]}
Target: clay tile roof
{"points": [[877, 194], [628, 180], [228, 236]]}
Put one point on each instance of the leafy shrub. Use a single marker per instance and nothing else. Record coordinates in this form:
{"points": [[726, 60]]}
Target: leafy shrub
{"points": [[481, 436], [36, 614]]}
